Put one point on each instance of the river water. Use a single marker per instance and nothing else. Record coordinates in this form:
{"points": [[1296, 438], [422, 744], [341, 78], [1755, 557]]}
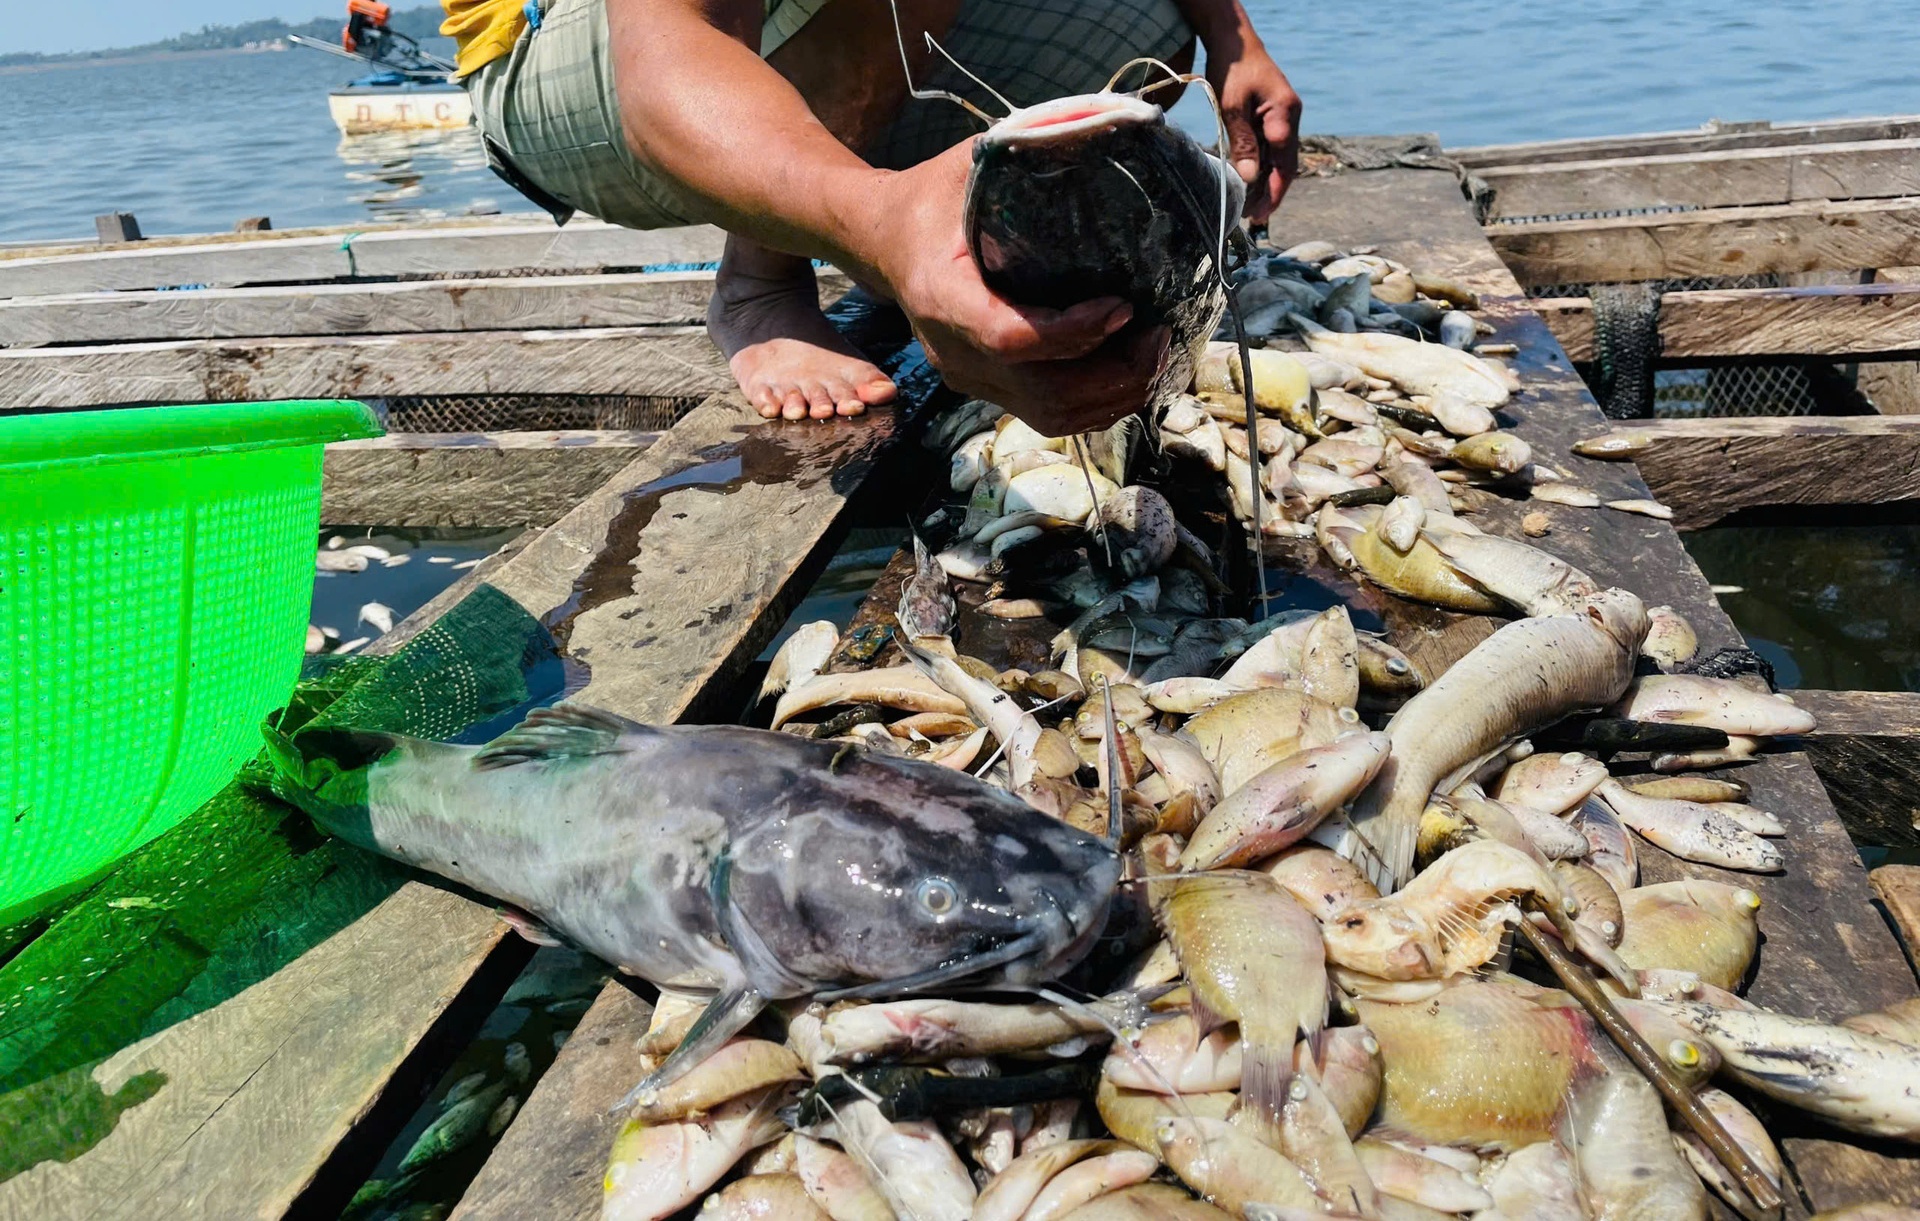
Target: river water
{"points": [[191, 144]]}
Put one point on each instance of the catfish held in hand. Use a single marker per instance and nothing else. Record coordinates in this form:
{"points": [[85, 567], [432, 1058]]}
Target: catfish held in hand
{"points": [[1097, 195], [754, 865]]}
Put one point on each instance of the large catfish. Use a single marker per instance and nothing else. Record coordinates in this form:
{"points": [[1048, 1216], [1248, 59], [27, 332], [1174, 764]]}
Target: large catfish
{"points": [[749, 864], [1096, 195]]}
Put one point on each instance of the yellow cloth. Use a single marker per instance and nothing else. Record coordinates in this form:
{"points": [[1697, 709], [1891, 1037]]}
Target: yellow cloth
{"points": [[485, 29]]}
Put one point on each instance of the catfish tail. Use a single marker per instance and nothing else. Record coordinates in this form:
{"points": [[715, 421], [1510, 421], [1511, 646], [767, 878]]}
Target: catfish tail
{"points": [[323, 771]]}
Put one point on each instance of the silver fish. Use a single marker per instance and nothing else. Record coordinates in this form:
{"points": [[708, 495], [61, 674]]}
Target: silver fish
{"points": [[743, 863]]}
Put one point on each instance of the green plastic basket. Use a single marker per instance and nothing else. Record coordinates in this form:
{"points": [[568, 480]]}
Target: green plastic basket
{"points": [[156, 574]]}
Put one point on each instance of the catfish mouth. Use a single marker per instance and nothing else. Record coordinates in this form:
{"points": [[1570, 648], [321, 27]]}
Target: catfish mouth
{"points": [[1068, 118]]}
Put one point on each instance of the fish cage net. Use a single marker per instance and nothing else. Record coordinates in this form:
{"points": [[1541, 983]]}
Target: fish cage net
{"points": [[1746, 388], [530, 412]]}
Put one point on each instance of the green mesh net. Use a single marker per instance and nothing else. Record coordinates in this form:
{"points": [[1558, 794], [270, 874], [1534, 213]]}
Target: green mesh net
{"points": [[239, 889]]}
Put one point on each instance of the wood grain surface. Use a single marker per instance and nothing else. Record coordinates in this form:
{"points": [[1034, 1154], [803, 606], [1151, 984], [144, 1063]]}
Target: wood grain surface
{"points": [[1849, 320], [1745, 241], [663, 361]]}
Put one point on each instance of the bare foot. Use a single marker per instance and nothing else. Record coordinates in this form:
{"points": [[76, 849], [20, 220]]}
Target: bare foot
{"points": [[765, 315]]}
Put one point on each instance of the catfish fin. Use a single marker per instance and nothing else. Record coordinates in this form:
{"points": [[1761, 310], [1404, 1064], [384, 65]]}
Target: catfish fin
{"points": [[528, 926], [726, 1015], [564, 731]]}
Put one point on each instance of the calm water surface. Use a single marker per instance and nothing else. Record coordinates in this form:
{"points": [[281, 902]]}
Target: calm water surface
{"points": [[193, 144]]}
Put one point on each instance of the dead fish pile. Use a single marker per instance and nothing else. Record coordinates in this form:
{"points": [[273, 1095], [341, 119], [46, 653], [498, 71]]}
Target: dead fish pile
{"points": [[1312, 994]]}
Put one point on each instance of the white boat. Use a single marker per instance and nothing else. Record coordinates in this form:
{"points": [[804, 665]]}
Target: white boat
{"points": [[388, 101]]}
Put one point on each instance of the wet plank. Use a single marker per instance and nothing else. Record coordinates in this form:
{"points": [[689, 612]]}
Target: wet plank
{"points": [[1854, 169], [278, 259], [1744, 241], [1866, 747], [1826, 952], [470, 479], [1707, 469], [1850, 320], [669, 361], [1711, 138], [498, 303], [251, 1098]]}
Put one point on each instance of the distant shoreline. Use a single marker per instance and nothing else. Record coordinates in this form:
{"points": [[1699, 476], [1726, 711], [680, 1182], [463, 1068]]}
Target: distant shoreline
{"points": [[146, 57]]}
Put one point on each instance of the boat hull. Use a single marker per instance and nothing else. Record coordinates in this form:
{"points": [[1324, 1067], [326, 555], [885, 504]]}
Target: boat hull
{"points": [[362, 110]]}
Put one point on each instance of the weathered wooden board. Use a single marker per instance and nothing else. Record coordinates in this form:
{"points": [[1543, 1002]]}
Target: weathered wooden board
{"points": [[1848, 320], [1893, 387], [1706, 469], [470, 479], [501, 303], [1711, 138], [1846, 236], [1864, 169], [258, 1092], [597, 1067], [271, 259], [1898, 887], [1826, 952], [1866, 747], [90, 244], [664, 361]]}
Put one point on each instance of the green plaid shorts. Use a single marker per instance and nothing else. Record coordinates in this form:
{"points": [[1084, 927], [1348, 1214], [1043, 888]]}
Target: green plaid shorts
{"points": [[549, 107]]}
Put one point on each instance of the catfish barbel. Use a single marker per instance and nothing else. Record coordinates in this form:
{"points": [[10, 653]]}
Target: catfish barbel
{"points": [[753, 865]]}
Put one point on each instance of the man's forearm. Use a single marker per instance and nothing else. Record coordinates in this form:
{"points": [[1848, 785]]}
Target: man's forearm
{"points": [[699, 106]]}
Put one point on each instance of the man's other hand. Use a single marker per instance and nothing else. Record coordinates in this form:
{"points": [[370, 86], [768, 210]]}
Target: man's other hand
{"points": [[1262, 114]]}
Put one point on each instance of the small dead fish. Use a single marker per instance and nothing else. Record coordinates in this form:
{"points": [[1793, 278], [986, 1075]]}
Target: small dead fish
{"points": [[655, 1170], [1692, 831], [1704, 789], [1718, 703], [1500, 452], [1738, 748], [1708, 929], [1670, 638], [1280, 805], [895, 687], [377, 616], [1620, 445], [340, 561], [1564, 494], [1400, 523], [1549, 782], [1254, 956], [1646, 508], [800, 657]]}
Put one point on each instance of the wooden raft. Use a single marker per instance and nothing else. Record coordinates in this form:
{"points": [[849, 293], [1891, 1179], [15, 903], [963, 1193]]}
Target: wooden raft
{"points": [[1826, 952]]}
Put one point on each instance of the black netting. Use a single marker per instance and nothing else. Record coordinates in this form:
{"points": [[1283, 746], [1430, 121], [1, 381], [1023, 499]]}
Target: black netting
{"points": [[530, 412], [1752, 388]]}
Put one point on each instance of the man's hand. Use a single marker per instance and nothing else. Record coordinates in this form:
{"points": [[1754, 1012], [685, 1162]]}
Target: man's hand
{"points": [[1262, 113], [1055, 369]]}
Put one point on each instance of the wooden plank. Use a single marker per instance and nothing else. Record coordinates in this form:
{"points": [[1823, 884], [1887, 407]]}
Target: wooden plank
{"points": [[1709, 138], [37, 247], [1866, 747], [1893, 387], [570, 1145], [1825, 954], [501, 303], [1848, 320], [1898, 887], [470, 479], [257, 1093], [663, 361], [1706, 469], [1844, 236], [1866, 169], [280, 259]]}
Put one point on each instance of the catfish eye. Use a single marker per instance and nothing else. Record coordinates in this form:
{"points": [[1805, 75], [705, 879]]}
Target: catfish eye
{"points": [[936, 896]]}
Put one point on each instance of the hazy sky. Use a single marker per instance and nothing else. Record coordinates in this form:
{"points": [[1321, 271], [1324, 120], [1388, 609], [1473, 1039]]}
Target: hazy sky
{"points": [[86, 25]]}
